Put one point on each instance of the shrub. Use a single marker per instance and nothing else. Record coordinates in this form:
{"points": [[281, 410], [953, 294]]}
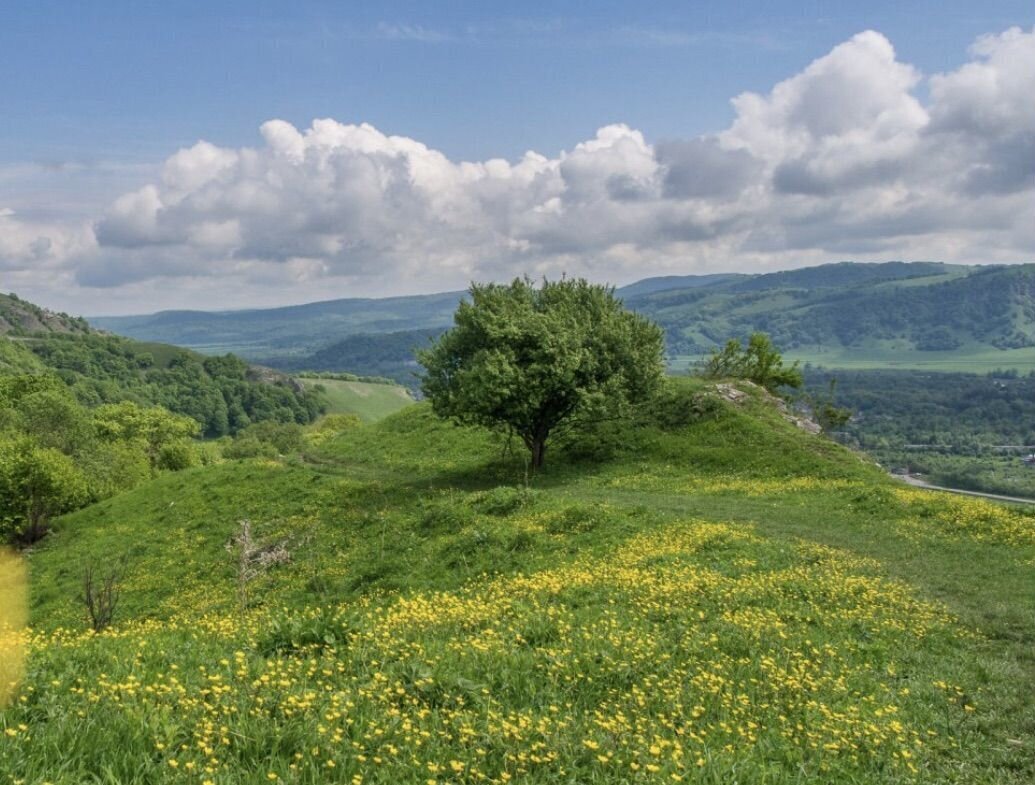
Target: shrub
{"points": [[504, 500], [177, 456], [677, 406]]}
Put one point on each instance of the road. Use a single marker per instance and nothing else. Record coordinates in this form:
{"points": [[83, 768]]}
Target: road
{"points": [[916, 482]]}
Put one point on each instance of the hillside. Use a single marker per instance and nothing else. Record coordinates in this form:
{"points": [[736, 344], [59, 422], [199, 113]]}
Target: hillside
{"points": [[368, 401], [734, 598], [18, 317], [223, 394], [851, 315]]}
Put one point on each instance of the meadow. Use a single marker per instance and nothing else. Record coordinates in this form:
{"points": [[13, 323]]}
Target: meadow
{"points": [[725, 599], [368, 401]]}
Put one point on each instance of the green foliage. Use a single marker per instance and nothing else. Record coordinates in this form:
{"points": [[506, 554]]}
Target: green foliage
{"points": [[758, 362], [62, 455], [677, 405], [530, 360], [343, 376], [222, 394], [249, 447], [154, 428], [285, 438], [36, 484], [115, 466], [824, 408]]}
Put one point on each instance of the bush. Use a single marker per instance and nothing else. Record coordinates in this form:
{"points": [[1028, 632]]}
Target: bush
{"points": [[284, 438], [249, 447], [504, 500], [677, 406], [448, 513], [177, 456], [330, 426], [114, 467]]}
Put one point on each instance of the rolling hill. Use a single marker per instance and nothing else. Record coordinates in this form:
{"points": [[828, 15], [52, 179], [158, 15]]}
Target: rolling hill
{"points": [[731, 599], [896, 314]]}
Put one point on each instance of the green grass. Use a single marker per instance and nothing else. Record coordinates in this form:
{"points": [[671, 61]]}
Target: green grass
{"points": [[370, 402], [735, 600]]}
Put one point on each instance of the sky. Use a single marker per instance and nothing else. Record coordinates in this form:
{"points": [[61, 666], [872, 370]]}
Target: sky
{"points": [[236, 154]]}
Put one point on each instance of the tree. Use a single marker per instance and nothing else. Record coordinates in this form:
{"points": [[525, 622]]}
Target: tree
{"points": [[154, 427], [828, 415], [535, 361], [758, 362], [36, 483]]}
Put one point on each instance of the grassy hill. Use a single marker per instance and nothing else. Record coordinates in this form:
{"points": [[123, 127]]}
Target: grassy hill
{"points": [[734, 599], [368, 401]]}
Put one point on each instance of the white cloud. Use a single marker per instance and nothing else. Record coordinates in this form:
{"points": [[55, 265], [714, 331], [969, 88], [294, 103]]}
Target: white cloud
{"points": [[842, 159], [39, 246]]}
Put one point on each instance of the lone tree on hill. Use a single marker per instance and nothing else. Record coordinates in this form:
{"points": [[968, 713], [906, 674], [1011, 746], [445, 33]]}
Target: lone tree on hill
{"points": [[758, 362], [538, 361]]}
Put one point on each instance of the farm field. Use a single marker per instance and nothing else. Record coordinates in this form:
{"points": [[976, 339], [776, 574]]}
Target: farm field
{"points": [[979, 360], [733, 598]]}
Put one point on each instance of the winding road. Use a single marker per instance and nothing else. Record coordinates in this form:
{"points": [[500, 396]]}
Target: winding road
{"points": [[916, 482]]}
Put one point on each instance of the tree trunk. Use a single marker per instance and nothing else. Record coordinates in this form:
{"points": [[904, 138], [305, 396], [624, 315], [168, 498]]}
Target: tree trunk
{"points": [[538, 448]]}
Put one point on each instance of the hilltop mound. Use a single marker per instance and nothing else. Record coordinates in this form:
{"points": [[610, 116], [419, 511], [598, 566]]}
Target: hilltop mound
{"points": [[708, 592]]}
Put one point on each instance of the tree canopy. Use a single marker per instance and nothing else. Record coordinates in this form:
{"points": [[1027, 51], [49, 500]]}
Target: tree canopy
{"points": [[537, 360]]}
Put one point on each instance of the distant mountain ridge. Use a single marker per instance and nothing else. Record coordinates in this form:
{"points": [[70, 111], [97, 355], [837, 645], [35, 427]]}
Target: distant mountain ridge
{"points": [[835, 311], [263, 333]]}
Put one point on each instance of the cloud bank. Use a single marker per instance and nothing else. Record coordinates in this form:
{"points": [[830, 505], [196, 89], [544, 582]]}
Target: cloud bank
{"points": [[842, 160]]}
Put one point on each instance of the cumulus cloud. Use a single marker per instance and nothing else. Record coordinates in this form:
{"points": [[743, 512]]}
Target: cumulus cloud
{"points": [[34, 245], [841, 159]]}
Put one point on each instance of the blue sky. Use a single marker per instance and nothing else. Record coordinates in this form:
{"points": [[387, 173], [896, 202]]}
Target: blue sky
{"points": [[100, 96], [132, 80]]}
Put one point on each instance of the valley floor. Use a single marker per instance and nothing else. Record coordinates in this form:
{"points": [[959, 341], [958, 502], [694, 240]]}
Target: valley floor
{"points": [[733, 600]]}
